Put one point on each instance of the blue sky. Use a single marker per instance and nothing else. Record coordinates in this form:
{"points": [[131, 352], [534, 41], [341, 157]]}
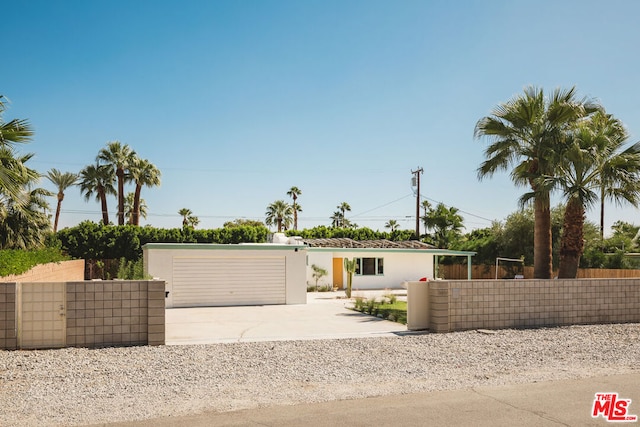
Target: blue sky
{"points": [[237, 101]]}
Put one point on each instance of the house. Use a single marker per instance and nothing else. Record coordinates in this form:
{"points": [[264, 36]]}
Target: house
{"points": [[380, 264]]}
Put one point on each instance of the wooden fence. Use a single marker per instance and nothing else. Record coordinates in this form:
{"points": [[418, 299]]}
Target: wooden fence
{"points": [[459, 272]]}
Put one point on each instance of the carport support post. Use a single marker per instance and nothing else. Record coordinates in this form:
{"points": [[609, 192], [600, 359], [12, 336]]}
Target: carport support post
{"points": [[468, 267]]}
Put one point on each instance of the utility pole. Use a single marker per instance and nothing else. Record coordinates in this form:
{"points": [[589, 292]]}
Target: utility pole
{"points": [[416, 179]]}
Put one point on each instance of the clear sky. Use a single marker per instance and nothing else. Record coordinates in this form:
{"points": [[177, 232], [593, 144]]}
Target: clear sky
{"points": [[237, 101]]}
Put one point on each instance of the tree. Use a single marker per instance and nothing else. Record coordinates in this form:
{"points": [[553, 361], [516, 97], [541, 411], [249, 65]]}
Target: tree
{"points": [[587, 166], [97, 180], [62, 181], [525, 132], [446, 224], [279, 213], [23, 219], [392, 224], [318, 273], [129, 209], [294, 192], [119, 157], [188, 219], [344, 208], [142, 173], [618, 169], [12, 172]]}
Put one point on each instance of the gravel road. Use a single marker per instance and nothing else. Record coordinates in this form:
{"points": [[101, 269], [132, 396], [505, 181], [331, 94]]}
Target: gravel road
{"points": [[82, 386]]}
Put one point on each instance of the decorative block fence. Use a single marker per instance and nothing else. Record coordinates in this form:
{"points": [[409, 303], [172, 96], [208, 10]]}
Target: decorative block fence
{"points": [[497, 304], [93, 313]]}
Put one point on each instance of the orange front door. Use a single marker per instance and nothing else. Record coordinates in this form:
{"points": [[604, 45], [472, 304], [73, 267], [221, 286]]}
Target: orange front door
{"points": [[337, 273]]}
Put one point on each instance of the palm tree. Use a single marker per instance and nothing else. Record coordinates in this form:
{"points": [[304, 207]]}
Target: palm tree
{"points": [[342, 209], [392, 224], [336, 219], [97, 180], [129, 203], [280, 213], [590, 161], [62, 181], [25, 225], [294, 192], [119, 157], [23, 219], [525, 133], [186, 214], [142, 172], [618, 170], [14, 132]]}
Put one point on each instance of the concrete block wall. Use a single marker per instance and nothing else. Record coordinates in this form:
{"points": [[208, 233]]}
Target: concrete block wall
{"points": [[99, 313], [494, 304], [8, 339]]}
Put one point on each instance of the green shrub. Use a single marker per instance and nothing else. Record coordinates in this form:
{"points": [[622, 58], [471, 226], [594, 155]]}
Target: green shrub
{"points": [[18, 261], [132, 270]]}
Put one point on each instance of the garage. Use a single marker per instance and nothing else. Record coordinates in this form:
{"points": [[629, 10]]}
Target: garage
{"points": [[227, 281], [210, 275]]}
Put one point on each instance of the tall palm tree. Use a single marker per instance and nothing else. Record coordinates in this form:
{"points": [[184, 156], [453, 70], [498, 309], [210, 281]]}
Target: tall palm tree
{"points": [[97, 180], [142, 172], [279, 213], [120, 157], [343, 208], [62, 181], [587, 163], [525, 132], [294, 192]]}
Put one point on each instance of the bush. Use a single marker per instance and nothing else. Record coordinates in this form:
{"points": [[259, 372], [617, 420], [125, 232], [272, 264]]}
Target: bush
{"points": [[18, 261]]}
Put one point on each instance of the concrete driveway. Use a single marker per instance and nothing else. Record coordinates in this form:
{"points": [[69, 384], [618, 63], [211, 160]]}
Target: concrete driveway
{"points": [[324, 316]]}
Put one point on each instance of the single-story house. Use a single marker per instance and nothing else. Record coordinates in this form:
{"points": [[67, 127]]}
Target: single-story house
{"points": [[198, 274], [380, 264]]}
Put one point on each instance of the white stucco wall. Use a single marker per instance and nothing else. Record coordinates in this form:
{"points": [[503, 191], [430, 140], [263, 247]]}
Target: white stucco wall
{"points": [[400, 265], [158, 262], [322, 260]]}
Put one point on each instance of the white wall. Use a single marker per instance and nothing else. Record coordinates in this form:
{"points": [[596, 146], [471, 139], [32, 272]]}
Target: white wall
{"points": [[399, 266], [322, 260]]}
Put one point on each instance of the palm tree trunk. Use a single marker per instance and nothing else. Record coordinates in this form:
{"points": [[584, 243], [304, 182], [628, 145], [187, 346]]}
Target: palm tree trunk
{"points": [[103, 203], [55, 222], [572, 244], [542, 257], [120, 174], [602, 214], [136, 205]]}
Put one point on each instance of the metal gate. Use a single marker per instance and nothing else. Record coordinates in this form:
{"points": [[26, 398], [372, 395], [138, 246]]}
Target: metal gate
{"points": [[41, 315]]}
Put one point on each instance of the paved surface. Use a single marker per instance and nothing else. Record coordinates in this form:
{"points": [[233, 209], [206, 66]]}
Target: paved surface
{"points": [[557, 403], [324, 316]]}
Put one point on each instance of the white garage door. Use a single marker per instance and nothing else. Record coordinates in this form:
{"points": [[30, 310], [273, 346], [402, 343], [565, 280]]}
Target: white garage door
{"points": [[223, 281]]}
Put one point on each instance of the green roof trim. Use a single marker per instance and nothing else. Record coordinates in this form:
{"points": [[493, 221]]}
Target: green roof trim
{"points": [[218, 246]]}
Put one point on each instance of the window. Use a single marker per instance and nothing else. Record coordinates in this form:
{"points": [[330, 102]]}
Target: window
{"points": [[369, 266]]}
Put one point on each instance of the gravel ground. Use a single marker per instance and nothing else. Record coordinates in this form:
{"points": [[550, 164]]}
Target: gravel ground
{"points": [[82, 386]]}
